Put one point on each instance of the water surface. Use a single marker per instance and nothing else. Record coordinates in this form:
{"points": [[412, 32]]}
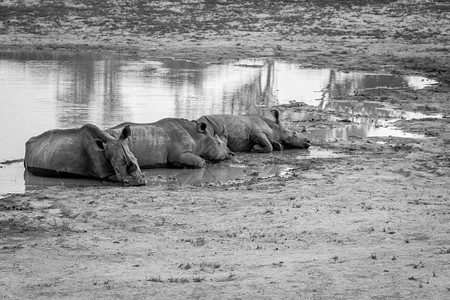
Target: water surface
{"points": [[46, 90], [13, 179]]}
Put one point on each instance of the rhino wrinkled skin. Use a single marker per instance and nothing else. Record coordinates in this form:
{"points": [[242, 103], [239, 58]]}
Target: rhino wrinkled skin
{"points": [[253, 133], [173, 142], [83, 152]]}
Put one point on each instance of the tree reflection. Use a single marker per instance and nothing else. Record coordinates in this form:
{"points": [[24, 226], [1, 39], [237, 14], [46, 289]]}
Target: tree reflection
{"points": [[107, 91], [268, 98], [113, 108], [216, 89], [88, 91]]}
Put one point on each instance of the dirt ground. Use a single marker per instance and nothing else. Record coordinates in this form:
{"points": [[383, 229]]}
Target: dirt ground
{"points": [[373, 223]]}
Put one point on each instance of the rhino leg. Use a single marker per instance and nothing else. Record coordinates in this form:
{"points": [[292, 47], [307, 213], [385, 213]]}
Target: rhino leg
{"points": [[189, 160], [277, 146], [262, 144]]}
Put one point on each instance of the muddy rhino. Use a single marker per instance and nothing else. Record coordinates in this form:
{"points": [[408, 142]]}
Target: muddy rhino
{"points": [[173, 142], [83, 152], [253, 133]]}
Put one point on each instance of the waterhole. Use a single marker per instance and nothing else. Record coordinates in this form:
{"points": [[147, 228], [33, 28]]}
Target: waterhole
{"points": [[46, 90]]}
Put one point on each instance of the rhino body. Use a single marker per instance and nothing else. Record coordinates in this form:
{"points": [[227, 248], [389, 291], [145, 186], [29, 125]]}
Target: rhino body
{"points": [[83, 152], [173, 142], [253, 133]]}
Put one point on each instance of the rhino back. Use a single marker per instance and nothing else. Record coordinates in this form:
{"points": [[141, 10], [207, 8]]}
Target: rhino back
{"points": [[177, 127], [192, 137], [62, 153], [241, 130], [149, 143], [216, 124], [277, 131], [183, 134]]}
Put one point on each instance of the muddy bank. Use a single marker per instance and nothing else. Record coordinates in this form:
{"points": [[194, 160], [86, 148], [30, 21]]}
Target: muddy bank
{"points": [[372, 223], [392, 36], [367, 227]]}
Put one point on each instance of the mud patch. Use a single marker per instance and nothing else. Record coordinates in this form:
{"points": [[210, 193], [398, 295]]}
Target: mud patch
{"points": [[430, 127], [343, 119], [243, 167]]}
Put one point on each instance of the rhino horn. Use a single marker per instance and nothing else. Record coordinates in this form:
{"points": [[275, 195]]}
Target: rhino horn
{"points": [[276, 115]]}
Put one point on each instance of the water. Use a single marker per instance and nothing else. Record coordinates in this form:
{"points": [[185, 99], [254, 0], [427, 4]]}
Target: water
{"points": [[360, 119], [13, 178], [46, 90]]}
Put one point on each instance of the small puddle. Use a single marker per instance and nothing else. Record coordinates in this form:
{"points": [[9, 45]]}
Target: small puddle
{"points": [[14, 179], [18, 181], [358, 119], [223, 173], [235, 171], [377, 124]]}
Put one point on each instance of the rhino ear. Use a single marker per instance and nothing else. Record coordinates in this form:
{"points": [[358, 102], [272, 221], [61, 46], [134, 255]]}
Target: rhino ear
{"points": [[223, 138], [126, 132], [201, 127], [100, 145], [276, 115]]}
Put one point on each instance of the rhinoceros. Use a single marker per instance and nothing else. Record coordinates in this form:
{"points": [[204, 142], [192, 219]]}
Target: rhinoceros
{"points": [[173, 142], [83, 152], [253, 133]]}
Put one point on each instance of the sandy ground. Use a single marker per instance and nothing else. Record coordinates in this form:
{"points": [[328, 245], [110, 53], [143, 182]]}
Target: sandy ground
{"points": [[373, 223]]}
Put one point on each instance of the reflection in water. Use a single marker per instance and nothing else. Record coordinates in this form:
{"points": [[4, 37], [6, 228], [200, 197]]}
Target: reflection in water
{"points": [[343, 84], [107, 89], [359, 130], [13, 178], [87, 91]]}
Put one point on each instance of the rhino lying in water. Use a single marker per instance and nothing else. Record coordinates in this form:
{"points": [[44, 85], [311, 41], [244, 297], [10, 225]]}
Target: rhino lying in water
{"points": [[254, 133], [83, 152], [173, 142]]}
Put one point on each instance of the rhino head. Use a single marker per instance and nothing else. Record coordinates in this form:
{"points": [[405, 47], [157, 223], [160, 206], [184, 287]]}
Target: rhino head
{"points": [[210, 146], [284, 138], [122, 160]]}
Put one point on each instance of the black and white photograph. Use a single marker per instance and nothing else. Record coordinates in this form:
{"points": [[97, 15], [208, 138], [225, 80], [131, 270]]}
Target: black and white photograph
{"points": [[225, 149]]}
